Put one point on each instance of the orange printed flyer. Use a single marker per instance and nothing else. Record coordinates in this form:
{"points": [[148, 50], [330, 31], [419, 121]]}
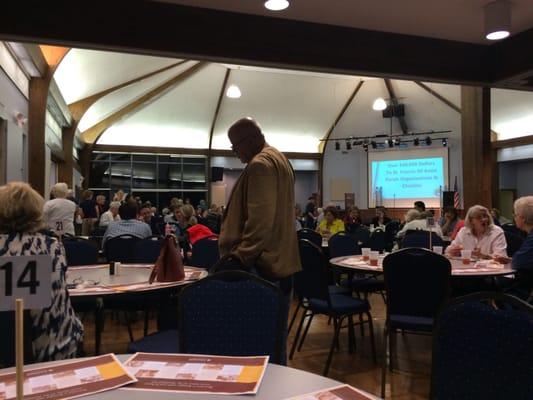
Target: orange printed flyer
{"points": [[196, 373], [68, 380], [343, 392]]}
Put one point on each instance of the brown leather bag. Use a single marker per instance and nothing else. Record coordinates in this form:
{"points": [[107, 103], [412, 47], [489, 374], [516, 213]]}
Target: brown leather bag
{"points": [[169, 264]]}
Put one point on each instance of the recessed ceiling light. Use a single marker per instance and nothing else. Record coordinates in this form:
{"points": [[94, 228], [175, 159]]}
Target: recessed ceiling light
{"points": [[498, 35], [233, 92], [276, 5]]}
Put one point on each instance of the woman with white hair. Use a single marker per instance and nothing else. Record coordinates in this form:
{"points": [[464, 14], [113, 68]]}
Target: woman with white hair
{"points": [[417, 221], [523, 217], [111, 214], [480, 235], [59, 213]]}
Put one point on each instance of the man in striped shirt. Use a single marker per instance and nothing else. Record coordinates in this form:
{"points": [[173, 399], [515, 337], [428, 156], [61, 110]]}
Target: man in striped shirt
{"points": [[129, 224]]}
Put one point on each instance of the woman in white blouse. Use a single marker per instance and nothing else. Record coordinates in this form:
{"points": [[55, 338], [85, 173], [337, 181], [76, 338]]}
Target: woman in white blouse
{"points": [[480, 235]]}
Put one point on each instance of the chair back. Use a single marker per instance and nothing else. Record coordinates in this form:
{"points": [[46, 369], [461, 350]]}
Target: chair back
{"points": [[417, 282], [312, 236], [80, 251], [121, 248], [147, 250], [7, 344], [512, 228], [377, 241], [420, 238], [312, 280], [483, 352], [362, 236], [391, 230], [514, 242], [205, 253], [342, 244], [232, 313]]}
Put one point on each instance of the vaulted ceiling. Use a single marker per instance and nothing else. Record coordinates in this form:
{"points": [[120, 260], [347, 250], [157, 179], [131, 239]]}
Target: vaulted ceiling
{"points": [[167, 102]]}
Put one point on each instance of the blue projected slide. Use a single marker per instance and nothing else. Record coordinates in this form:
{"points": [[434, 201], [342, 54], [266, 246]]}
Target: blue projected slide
{"points": [[408, 179]]}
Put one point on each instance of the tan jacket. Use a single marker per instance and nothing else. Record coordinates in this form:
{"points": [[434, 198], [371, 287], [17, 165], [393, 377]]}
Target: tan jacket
{"points": [[258, 224]]}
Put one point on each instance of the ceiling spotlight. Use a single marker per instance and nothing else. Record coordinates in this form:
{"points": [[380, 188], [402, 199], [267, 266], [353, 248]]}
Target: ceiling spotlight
{"points": [[233, 92], [444, 142], [416, 141], [497, 20], [348, 145], [428, 141], [379, 104], [390, 142], [365, 147], [337, 146], [276, 5], [397, 141], [374, 144]]}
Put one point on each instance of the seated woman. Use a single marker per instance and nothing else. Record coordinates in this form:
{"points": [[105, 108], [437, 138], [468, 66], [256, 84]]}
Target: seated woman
{"points": [[330, 225], [57, 332], [352, 219], [381, 218], [448, 221], [480, 235]]}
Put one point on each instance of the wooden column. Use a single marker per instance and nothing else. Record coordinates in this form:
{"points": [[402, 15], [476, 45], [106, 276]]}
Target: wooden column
{"points": [[480, 170], [36, 133], [64, 169]]}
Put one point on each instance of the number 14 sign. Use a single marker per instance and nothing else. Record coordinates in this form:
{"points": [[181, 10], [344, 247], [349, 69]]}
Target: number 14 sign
{"points": [[25, 277]]}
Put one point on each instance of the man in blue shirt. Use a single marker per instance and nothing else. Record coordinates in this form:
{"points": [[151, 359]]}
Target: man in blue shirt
{"points": [[129, 224]]}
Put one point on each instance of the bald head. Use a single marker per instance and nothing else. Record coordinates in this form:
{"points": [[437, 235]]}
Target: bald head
{"points": [[246, 139]]}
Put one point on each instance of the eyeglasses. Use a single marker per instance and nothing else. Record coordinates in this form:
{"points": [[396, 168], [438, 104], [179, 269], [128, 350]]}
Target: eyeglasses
{"points": [[235, 145]]}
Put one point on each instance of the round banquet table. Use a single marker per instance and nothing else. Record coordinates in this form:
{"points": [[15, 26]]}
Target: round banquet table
{"points": [[97, 281], [278, 383], [483, 268]]}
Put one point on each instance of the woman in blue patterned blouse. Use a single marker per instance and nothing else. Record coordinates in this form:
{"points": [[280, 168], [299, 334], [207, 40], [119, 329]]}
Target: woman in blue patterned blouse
{"points": [[57, 333]]}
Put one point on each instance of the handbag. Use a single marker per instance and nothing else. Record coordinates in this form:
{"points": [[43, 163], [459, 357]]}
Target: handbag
{"points": [[169, 265]]}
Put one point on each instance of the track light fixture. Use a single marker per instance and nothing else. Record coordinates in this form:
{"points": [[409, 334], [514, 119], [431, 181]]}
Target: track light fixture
{"points": [[337, 146], [428, 141], [416, 141], [444, 142], [365, 146], [374, 144], [390, 142], [348, 145]]}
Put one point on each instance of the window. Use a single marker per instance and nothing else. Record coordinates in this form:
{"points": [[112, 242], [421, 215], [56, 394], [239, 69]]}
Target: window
{"points": [[154, 177]]}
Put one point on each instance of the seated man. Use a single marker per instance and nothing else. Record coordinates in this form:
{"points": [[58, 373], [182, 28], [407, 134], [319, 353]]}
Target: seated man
{"points": [[111, 214], [146, 215], [129, 225]]}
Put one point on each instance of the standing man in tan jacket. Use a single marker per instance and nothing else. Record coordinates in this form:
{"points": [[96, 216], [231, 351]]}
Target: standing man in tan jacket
{"points": [[258, 223], [258, 226]]}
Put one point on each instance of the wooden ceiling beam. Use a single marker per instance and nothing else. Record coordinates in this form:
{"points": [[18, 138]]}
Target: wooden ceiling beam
{"points": [[514, 142], [80, 107], [438, 96], [219, 103], [340, 115], [92, 134], [394, 101]]}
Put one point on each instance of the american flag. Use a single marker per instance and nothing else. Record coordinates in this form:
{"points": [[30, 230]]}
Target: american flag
{"points": [[456, 202]]}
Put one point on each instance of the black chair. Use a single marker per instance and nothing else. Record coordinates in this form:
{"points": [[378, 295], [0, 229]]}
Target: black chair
{"points": [[121, 248], [514, 242], [420, 238], [7, 344], [312, 236], [512, 228], [80, 251], [377, 241], [417, 282], [147, 250], [362, 236], [205, 253], [481, 351], [391, 230], [311, 286], [342, 244], [232, 313]]}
